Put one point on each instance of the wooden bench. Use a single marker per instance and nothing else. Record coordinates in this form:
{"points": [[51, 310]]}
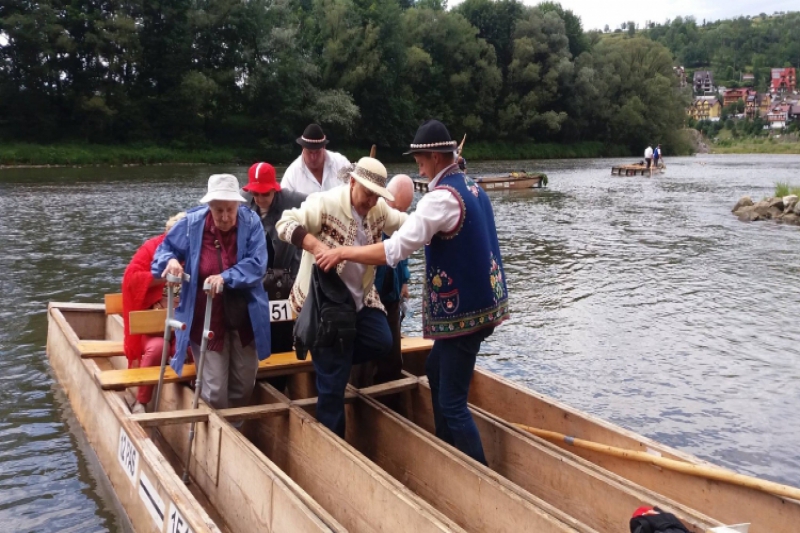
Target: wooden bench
{"points": [[103, 348], [278, 364]]}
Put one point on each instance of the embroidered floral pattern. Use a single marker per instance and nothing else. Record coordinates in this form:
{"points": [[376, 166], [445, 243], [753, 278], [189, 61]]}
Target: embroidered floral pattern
{"points": [[443, 297], [496, 278], [472, 186]]}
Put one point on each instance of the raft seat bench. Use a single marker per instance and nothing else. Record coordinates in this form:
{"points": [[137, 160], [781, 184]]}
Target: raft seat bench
{"points": [[278, 364], [150, 322]]}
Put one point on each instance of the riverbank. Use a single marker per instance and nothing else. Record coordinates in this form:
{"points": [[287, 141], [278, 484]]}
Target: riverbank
{"points": [[756, 145], [79, 154]]}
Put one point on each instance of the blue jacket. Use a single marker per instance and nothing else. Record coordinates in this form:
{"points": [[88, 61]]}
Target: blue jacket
{"points": [[401, 277], [183, 243]]}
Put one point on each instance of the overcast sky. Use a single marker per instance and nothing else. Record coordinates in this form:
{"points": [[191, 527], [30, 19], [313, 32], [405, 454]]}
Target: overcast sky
{"points": [[597, 13]]}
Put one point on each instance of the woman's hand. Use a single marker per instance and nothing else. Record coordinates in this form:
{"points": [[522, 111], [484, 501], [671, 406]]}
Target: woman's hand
{"points": [[216, 283], [174, 268], [329, 257]]}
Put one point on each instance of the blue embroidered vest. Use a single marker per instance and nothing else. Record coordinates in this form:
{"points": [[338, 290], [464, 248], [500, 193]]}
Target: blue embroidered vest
{"points": [[465, 283]]}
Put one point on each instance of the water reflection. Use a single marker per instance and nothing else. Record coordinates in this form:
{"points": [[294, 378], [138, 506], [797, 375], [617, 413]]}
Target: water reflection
{"points": [[643, 301]]}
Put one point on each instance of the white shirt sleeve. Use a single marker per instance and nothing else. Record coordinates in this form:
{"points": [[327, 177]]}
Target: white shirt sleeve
{"points": [[289, 180], [437, 211]]}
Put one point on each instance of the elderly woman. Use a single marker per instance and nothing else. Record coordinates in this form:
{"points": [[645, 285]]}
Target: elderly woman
{"points": [[222, 244], [354, 215], [141, 291]]}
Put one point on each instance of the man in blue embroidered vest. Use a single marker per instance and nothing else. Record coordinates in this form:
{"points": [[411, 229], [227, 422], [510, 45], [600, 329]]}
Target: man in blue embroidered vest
{"points": [[465, 290]]}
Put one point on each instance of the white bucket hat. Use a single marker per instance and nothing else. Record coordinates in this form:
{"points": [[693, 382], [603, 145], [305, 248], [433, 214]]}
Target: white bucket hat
{"points": [[223, 187], [371, 173]]}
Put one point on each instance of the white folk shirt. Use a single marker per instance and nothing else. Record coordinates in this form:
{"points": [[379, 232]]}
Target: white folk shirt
{"points": [[436, 211], [648, 153], [300, 179], [353, 273]]}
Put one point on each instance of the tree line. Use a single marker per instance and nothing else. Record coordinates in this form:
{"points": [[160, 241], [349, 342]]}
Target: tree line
{"points": [[730, 48], [198, 73]]}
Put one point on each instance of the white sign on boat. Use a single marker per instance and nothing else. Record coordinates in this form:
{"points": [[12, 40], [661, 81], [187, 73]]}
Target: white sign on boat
{"points": [[128, 456]]}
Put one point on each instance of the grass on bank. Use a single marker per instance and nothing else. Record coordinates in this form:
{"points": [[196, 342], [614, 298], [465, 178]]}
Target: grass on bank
{"points": [[78, 154], [754, 145], [782, 188], [99, 154]]}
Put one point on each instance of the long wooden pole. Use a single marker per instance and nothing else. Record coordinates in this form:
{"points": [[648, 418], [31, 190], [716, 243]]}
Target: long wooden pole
{"points": [[372, 151], [461, 146], [708, 472]]}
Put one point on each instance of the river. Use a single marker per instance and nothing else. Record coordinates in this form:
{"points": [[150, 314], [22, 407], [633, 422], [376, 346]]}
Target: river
{"points": [[642, 301]]}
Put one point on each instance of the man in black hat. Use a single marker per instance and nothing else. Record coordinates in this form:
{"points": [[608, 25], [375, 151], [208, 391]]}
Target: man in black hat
{"points": [[317, 168], [465, 294]]}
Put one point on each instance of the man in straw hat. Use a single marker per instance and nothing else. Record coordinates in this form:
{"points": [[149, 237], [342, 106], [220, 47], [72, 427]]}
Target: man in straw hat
{"points": [[221, 243], [465, 290], [317, 167], [353, 215]]}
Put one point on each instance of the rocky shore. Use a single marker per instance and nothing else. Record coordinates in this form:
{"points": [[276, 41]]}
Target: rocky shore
{"points": [[785, 209]]}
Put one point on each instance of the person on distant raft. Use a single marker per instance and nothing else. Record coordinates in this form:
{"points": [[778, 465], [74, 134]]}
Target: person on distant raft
{"points": [[317, 168], [466, 295], [142, 291], [221, 243], [648, 157], [657, 156]]}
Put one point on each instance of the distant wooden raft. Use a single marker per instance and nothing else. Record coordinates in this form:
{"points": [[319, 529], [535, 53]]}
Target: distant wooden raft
{"points": [[634, 170], [277, 364]]}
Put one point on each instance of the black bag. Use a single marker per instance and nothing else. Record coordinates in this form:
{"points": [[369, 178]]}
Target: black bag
{"points": [[234, 301], [278, 283], [657, 523], [328, 317]]}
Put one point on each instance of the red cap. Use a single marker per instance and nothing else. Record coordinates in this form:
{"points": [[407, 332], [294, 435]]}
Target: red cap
{"points": [[644, 510], [262, 179]]}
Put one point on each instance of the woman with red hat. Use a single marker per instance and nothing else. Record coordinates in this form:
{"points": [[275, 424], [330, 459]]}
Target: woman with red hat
{"points": [[268, 201]]}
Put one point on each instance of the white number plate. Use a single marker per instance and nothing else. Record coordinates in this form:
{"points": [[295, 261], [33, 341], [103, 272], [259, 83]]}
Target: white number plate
{"points": [[280, 311], [128, 456]]}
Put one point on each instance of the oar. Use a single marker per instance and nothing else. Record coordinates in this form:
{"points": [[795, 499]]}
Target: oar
{"points": [[207, 336], [372, 151], [707, 472], [461, 146]]}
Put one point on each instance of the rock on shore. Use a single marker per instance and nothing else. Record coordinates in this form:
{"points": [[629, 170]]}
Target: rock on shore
{"points": [[786, 209]]}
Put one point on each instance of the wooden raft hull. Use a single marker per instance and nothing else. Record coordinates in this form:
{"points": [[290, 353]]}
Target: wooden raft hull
{"points": [[286, 472], [496, 183]]}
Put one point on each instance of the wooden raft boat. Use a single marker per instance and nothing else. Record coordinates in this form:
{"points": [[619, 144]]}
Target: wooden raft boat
{"points": [[286, 472], [636, 169], [513, 180]]}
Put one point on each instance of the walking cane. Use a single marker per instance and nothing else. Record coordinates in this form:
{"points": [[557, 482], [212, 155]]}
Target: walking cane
{"points": [[207, 335], [169, 324]]}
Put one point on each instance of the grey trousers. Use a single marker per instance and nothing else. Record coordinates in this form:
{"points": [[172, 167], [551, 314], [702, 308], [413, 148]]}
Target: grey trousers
{"points": [[229, 376]]}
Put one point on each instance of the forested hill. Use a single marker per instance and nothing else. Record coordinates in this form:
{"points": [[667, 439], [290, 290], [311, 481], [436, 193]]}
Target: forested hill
{"points": [[730, 48], [254, 73]]}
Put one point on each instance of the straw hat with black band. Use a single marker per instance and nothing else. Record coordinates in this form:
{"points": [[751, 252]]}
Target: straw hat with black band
{"points": [[370, 173]]}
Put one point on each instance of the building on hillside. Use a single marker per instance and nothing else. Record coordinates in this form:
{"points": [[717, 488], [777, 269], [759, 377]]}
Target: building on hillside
{"points": [[680, 73], [779, 116], [794, 113], [784, 80], [705, 108], [748, 80], [764, 103], [751, 109], [703, 82], [731, 96]]}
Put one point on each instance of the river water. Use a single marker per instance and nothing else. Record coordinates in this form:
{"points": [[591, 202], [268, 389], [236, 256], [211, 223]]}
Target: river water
{"points": [[642, 301]]}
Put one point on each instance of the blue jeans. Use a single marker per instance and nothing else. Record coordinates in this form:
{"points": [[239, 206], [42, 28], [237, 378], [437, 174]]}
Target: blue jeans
{"points": [[332, 365], [449, 369]]}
